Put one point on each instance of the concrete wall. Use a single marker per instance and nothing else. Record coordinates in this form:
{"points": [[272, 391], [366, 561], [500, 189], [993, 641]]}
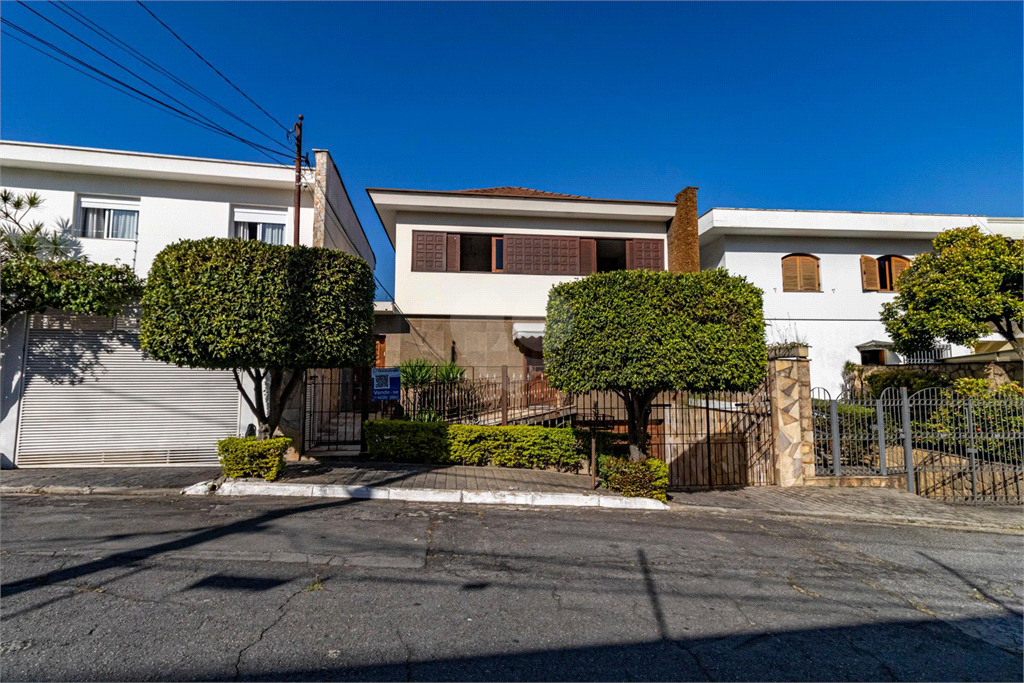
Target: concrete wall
{"points": [[491, 294], [168, 210]]}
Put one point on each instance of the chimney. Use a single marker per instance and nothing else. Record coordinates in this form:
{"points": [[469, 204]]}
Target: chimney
{"points": [[683, 240]]}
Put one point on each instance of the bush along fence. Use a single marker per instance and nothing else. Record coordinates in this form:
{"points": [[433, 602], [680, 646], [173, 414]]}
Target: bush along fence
{"points": [[720, 439], [524, 447], [957, 444]]}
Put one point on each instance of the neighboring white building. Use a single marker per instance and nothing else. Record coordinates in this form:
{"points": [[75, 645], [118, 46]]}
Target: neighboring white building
{"points": [[82, 388], [826, 274]]}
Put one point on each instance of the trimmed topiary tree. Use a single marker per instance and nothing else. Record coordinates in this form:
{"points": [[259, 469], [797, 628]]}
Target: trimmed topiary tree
{"points": [[264, 310], [639, 332]]}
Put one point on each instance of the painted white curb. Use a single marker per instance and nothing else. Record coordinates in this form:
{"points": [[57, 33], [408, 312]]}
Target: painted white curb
{"points": [[255, 488]]}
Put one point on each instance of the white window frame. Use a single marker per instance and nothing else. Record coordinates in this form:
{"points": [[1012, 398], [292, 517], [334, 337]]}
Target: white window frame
{"points": [[108, 204], [261, 215]]}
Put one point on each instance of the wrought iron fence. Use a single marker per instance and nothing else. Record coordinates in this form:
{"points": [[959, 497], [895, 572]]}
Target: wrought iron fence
{"points": [[953, 447], [722, 439]]}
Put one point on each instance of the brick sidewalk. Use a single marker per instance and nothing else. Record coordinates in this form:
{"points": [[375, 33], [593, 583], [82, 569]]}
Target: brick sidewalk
{"points": [[869, 504]]}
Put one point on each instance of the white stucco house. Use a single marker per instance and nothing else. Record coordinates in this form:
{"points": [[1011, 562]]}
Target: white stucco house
{"points": [[826, 274], [78, 391], [473, 268]]}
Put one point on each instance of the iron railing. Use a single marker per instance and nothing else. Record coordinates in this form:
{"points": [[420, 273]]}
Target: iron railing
{"points": [[954, 447]]}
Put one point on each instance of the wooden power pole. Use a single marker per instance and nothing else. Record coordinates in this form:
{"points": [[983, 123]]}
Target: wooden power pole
{"points": [[298, 175]]}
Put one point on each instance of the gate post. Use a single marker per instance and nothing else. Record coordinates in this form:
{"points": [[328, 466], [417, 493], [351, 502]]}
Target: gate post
{"points": [[908, 444], [504, 394], [836, 446], [880, 421], [972, 450], [792, 422], [364, 405]]}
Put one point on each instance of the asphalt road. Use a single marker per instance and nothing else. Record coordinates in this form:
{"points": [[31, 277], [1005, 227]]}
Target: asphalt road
{"points": [[103, 588]]}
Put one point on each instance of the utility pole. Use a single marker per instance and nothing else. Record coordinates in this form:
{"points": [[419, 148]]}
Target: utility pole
{"points": [[298, 175]]}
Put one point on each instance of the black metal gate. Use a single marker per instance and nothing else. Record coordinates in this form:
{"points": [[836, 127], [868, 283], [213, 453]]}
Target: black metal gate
{"points": [[337, 404]]}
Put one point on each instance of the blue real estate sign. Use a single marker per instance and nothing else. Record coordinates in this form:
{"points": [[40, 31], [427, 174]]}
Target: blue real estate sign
{"points": [[387, 384]]}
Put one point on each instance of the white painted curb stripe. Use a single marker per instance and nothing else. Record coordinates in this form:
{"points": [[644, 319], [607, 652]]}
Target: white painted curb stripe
{"points": [[251, 488]]}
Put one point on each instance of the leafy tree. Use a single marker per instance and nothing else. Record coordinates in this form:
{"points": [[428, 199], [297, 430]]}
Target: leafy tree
{"points": [[971, 285], [263, 310], [31, 285], [20, 237], [41, 269], [638, 333]]}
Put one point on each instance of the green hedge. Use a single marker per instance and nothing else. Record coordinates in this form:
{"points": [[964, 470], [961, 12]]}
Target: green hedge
{"points": [[914, 380], [250, 457], [642, 479], [406, 441], [443, 444]]}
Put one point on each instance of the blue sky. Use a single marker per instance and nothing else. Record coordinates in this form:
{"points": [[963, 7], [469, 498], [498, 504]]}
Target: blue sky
{"points": [[877, 107]]}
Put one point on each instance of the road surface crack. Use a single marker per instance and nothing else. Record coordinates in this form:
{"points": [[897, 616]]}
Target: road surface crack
{"points": [[281, 612]]}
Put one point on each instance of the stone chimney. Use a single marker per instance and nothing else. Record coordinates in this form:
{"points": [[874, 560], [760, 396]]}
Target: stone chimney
{"points": [[683, 239]]}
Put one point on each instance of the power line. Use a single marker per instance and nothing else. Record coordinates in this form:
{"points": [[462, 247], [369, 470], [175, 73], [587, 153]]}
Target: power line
{"points": [[89, 75], [191, 119], [228, 80], [205, 118], [125, 47]]}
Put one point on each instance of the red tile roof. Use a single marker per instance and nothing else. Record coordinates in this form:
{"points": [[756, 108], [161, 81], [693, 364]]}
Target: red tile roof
{"points": [[509, 191]]}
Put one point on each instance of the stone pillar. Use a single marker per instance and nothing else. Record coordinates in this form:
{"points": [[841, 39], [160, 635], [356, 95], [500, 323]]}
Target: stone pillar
{"points": [[683, 237], [292, 418], [792, 421]]}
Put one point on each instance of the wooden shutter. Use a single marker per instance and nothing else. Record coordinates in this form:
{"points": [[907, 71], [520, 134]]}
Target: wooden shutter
{"points": [[428, 251], [452, 259], [791, 274], [645, 255], [869, 274], [899, 264], [588, 256], [542, 255], [809, 274]]}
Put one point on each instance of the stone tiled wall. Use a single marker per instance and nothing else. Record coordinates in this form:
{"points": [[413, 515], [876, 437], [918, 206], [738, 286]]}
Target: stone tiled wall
{"points": [[996, 373], [471, 342], [792, 421]]}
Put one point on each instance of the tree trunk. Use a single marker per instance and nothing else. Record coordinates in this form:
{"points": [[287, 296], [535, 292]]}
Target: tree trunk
{"points": [[1005, 329], [267, 412], [638, 412]]}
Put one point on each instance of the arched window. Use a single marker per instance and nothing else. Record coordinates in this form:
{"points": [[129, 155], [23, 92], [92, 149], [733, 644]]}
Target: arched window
{"points": [[880, 275], [800, 273]]}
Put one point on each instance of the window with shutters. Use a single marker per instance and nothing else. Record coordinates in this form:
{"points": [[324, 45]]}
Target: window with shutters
{"points": [[800, 273], [881, 274], [109, 218], [476, 253], [645, 255], [428, 251], [542, 255]]}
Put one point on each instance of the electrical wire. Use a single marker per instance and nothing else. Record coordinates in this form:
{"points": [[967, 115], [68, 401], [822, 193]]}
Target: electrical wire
{"points": [[204, 60], [171, 109], [125, 47], [198, 114]]}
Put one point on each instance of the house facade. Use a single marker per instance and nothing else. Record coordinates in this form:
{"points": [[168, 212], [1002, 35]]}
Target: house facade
{"points": [[78, 390], [473, 268]]}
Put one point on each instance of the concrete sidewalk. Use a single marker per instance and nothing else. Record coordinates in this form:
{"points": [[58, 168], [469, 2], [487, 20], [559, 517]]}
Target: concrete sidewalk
{"points": [[110, 480], [430, 484], [875, 505]]}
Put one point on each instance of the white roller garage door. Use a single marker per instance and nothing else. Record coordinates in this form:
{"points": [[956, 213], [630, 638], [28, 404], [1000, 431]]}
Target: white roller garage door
{"points": [[92, 398]]}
